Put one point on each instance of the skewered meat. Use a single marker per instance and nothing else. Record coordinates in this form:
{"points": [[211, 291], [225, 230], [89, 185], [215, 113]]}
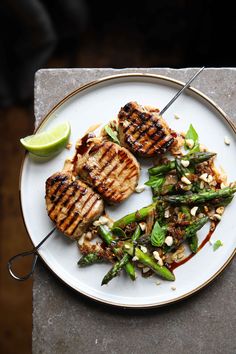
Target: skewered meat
{"points": [[143, 131], [71, 204], [108, 168]]}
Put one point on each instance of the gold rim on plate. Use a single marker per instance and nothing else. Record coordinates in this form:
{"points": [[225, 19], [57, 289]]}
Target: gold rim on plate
{"points": [[83, 88]]}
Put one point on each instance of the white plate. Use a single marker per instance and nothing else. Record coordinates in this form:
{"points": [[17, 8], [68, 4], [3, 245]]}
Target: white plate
{"points": [[98, 102]]}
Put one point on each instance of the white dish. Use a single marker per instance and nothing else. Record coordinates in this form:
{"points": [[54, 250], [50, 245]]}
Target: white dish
{"points": [[98, 102]]}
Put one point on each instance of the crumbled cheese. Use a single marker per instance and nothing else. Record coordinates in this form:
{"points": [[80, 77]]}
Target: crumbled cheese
{"points": [[167, 213], [143, 249], [220, 210], [217, 217], [169, 240], [173, 288], [185, 180], [140, 189], [158, 282], [189, 143], [193, 211], [145, 269], [142, 225], [135, 258], [223, 185], [226, 140], [127, 246], [185, 163]]}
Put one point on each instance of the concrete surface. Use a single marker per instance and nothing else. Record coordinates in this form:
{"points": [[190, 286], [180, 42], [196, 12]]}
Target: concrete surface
{"points": [[66, 322]]}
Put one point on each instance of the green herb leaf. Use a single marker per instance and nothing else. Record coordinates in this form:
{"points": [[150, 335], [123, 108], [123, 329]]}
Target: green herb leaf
{"points": [[217, 244], [158, 235], [155, 181], [112, 135], [192, 134]]}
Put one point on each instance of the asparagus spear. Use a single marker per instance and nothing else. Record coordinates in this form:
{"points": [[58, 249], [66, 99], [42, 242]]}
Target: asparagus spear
{"points": [[149, 262], [114, 271], [191, 230], [108, 238], [136, 216], [193, 243], [89, 259], [200, 197], [180, 169], [194, 159]]}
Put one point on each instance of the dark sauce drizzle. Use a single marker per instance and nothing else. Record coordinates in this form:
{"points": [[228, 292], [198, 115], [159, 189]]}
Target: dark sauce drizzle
{"points": [[175, 265]]}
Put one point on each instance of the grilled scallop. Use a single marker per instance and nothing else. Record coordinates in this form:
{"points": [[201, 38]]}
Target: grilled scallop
{"points": [[71, 204], [108, 168], [143, 131]]}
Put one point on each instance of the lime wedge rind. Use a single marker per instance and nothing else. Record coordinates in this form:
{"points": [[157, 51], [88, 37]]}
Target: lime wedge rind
{"points": [[48, 143]]}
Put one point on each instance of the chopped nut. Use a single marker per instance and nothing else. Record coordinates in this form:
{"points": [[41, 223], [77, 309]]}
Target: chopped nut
{"points": [[81, 240], [185, 180], [156, 255], [185, 163], [143, 249], [167, 213], [169, 240], [125, 124], [201, 185], [227, 140], [140, 189], [209, 178], [158, 258], [135, 258], [217, 217], [193, 211], [68, 146], [202, 148], [145, 269], [203, 177], [142, 225], [189, 143], [220, 210], [88, 236]]}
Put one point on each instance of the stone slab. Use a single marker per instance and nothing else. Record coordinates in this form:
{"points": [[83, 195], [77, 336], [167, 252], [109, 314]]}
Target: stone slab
{"points": [[67, 322]]}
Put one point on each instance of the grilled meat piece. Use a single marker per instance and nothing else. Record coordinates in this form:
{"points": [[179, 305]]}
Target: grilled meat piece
{"points": [[71, 204], [143, 131], [110, 169]]}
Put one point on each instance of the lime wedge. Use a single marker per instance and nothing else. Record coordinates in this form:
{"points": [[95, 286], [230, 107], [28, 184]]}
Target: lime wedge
{"points": [[49, 142]]}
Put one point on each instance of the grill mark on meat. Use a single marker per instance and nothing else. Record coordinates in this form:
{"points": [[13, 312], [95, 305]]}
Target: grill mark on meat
{"points": [[146, 132], [105, 153], [71, 207], [58, 198], [64, 196], [76, 217]]}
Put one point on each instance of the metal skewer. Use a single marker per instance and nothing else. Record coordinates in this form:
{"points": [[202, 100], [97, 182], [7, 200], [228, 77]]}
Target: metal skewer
{"points": [[25, 254], [181, 91], [34, 251]]}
